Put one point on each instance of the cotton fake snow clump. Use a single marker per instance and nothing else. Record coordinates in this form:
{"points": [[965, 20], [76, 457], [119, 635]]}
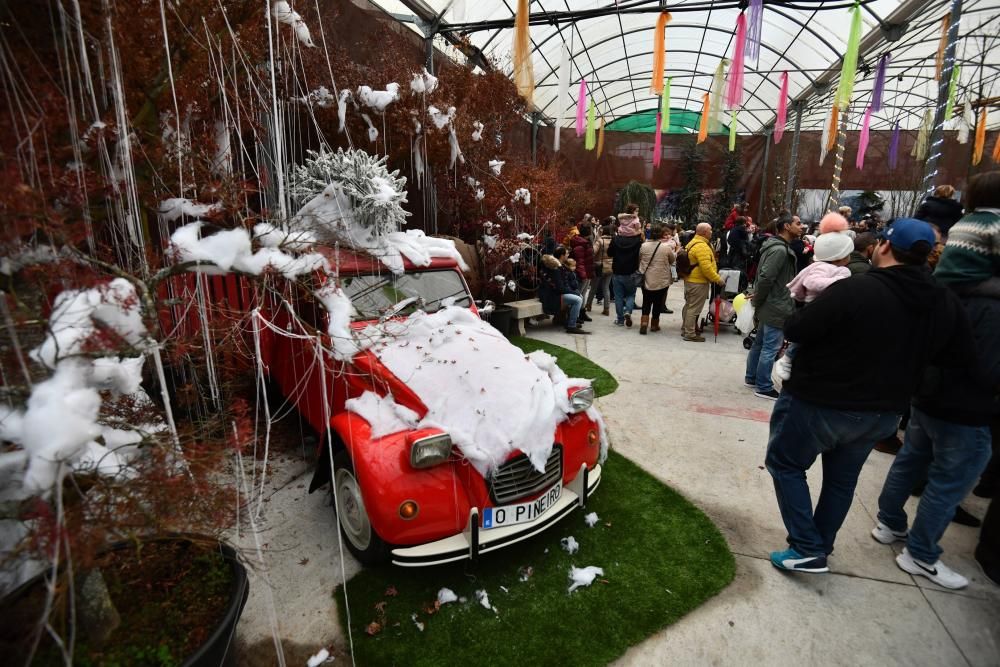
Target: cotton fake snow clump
{"points": [[270, 236], [477, 132], [570, 545], [524, 236], [173, 208], [383, 413], [378, 99], [423, 82], [483, 599], [283, 13], [319, 658], [446, 595], [522, 195], [499, 400], [591, 519], [583, 576], [497, 166], [27, 256], [441, 118], [419, 624]]}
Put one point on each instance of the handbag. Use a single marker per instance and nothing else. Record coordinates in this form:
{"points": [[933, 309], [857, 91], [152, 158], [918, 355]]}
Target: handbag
{"points": [[639, 277]]}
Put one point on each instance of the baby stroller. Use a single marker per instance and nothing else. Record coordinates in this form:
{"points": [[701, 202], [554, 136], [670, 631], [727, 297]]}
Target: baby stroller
{"points": [[721, 312]]}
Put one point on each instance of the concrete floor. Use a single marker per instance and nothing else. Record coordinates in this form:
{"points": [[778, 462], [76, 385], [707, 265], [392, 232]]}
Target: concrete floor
{"points": [[683, 412]]}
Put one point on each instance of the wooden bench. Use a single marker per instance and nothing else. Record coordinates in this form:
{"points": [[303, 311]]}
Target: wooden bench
{"points": [[523, 310]]}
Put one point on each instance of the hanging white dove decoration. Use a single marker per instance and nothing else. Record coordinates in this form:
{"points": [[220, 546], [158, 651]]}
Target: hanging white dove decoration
{"points": [[477, 132], [424, 83], [497, 166], [456, 151], [283, 13], [345, 95], [379, 99], [372, 130], [441, 119], [522, 195]]}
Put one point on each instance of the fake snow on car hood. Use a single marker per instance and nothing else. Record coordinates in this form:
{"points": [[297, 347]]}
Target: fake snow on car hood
{"points": [[489, 396]]}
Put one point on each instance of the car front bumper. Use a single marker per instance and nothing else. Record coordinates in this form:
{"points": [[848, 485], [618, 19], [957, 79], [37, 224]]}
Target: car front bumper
{"points": [[474, 540]]}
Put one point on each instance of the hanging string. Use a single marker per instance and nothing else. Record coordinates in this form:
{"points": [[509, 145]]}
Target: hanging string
{"points": [[562, 95], [665, 107], [703, 126], [659, 52], [591, 141], [754, 24], [657, 142], [524, 74], [952, 86], [942, 45], [600, 139], [977, 148], [734, 82], [859, 161], [850, 66], [894, 146], [581, 107], [732, 130], [879, 89], [718, 90], [782, 116]]}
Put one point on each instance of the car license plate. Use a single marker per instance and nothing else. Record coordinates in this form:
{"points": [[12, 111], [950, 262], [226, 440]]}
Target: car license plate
{"points": [[508, 515]]}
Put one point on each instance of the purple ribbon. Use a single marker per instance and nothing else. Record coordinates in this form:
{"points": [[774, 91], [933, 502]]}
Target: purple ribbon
{"points": [[883, 65], [894, 146], [755, 21]]}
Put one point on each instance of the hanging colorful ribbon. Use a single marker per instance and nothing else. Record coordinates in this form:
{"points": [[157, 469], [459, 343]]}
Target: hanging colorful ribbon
{"points": [[850, 66], [966, 123], [977, 148], [923, 137], [942, 45], [718, 93], [524, 74], [879, 89], [732, 130], [754, 24], [834, 120], [894, 146], [581, 108], [859, 161], [600, 139], [562, 96], [659, 53], [657, 142], [996, 149], [952, 87], [782, 116], [665, 107], [734, 82], [703, 125], [825, 140], [591, 141]]}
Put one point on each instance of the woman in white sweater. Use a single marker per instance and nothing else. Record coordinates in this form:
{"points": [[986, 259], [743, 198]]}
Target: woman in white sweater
{"points": [[655, 259]]}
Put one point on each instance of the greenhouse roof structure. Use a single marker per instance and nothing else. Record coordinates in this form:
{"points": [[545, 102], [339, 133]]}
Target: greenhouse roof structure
{"points": [[612, 48]]}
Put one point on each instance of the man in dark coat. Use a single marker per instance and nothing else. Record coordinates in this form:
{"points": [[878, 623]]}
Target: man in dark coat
{"points": [[940, 209], [861, 258]]}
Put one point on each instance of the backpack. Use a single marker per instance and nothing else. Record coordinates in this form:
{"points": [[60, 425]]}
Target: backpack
{"points": [[756, 247], [683, 264]]}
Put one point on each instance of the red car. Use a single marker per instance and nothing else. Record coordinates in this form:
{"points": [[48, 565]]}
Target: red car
{"points": [[411, 497]]}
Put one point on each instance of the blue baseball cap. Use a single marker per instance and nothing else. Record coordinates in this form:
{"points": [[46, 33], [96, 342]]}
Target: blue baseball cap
{"points": [[904, 232]]}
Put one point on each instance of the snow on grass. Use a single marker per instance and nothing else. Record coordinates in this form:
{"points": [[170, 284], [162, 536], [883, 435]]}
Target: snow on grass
{"points": [[446, 595], [583, 576], [570, 545], [591, 519]]}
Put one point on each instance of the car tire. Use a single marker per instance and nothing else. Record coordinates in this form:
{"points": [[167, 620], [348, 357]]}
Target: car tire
{"points": [[355, 526]]}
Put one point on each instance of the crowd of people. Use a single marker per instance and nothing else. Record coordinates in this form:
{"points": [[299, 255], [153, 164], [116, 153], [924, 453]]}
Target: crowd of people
{"points": [[924, 290]]}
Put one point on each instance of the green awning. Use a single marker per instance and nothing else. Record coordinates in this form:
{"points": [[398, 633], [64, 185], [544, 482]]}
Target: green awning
{"points": [[681, 122]]}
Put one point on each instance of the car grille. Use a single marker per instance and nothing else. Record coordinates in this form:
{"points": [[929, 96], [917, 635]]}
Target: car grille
{"points": [[518, 479]]}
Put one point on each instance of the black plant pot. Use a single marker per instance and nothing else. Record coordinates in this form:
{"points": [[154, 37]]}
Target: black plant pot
{"points": [[216, 648], [501, 317]]}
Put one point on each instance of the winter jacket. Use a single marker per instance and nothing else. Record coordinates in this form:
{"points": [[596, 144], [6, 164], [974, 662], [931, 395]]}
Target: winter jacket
{"points": [[970, 395], [560, 279], [914, 320], [601, 255], [816, 277], [771, 299], [624, 253], [656, 267], [972, 253], [803, 254], [739, 248], [703, 260], [941, 211], [583, 253], [859, 263]]}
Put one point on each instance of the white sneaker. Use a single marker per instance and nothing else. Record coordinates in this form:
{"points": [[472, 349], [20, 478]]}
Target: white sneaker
{"points": [[886, 535], [783, 368], [939, 573]]}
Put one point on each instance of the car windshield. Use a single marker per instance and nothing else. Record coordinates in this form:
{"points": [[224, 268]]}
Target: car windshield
{"points": [[375, 295]]}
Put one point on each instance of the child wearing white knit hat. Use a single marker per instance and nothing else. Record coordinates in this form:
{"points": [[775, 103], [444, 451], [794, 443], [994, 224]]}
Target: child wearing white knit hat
{"points": [[831, 254]]}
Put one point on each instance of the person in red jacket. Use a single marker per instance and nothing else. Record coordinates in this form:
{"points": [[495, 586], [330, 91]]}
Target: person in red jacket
{"points": [[740, 210], [582, 250]]}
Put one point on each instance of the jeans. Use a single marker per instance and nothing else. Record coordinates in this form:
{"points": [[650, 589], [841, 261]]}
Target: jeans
{"points": [[653, 299], [802, 431], [600, 285], [695, 296], [760, 361], [573, 302], [624, 296], [950, 456]]}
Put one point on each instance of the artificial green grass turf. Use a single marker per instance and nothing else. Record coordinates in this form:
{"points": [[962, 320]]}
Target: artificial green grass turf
{"points": [[573, 364], [661, 558]]}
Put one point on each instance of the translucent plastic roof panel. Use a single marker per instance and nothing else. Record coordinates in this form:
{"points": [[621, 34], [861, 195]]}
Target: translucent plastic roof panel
{"points": [[612, 49]]}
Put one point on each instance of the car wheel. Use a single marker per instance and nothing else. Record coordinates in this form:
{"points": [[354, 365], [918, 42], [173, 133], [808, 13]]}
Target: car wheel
{"points": [[355, 526]]}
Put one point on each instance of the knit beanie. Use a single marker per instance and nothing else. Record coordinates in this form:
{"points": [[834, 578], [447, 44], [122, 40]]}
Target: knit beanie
{"points": [[831, 247], [832, 222]]}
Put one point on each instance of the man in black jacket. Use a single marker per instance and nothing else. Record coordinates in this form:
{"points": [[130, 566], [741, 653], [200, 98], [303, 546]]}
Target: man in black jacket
{"points": [[834, 408]]}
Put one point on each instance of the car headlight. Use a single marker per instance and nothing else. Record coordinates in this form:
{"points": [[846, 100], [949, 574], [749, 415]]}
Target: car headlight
{"points": [[430, 451], [581, 399]]}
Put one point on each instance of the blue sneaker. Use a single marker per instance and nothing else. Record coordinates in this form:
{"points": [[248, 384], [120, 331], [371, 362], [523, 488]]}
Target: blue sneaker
{"points": [[793, 561]]}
